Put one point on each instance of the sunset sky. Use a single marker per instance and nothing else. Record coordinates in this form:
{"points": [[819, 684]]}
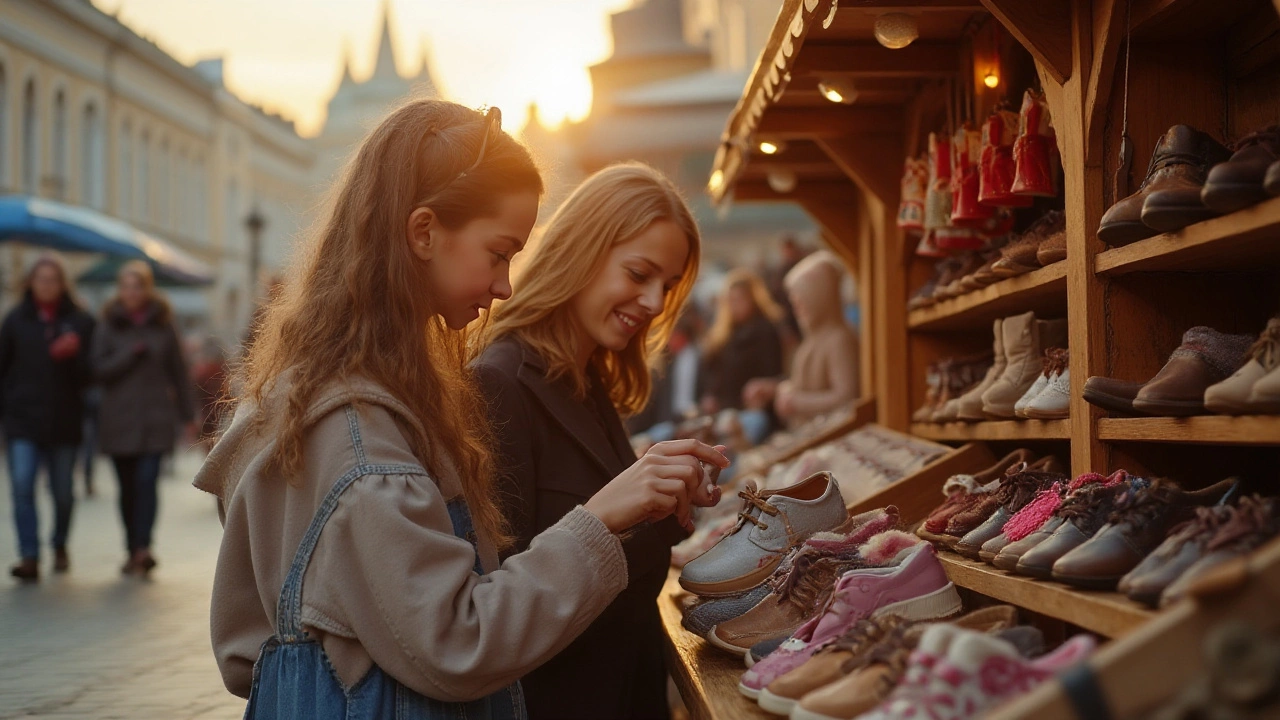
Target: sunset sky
{"points": [[287, 54]]}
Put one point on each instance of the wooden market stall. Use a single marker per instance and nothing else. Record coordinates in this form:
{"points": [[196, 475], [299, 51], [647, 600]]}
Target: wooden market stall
{"points": [[1104, 66]]}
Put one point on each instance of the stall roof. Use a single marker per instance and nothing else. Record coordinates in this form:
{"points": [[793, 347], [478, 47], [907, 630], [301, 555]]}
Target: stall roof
{"points": [[781, 99]]}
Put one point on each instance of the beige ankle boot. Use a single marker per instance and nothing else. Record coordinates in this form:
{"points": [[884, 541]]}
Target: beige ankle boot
{"points": [[1025, 337], [969, 407]]}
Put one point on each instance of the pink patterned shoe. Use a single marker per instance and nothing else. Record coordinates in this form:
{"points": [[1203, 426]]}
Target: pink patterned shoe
{"points": [[916, 588], [957, 674]]}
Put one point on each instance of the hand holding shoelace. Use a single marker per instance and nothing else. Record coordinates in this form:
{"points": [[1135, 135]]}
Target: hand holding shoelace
{"points": [[668, 479]]}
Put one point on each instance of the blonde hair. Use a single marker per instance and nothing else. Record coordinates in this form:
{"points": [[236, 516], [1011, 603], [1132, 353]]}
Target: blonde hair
{"points": [[140, 269], [722, 327], [611, 207], [354, 303]]}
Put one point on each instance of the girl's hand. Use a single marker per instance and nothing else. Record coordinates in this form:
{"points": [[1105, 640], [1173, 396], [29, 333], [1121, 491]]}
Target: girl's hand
{"points": [[666, 480]]}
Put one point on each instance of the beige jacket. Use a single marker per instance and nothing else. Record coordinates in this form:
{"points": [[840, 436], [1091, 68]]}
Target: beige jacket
{"points": [[824, 371], [389, 583]]}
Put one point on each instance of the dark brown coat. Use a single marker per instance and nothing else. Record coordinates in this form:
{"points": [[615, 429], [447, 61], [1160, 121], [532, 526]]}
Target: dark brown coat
{"points": [[146, 390], [556, 451]]}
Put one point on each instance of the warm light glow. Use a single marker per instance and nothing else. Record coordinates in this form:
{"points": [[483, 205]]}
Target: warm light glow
{"points": [[716, 182], [769, 148], [782, 180], [991, 79], [838, 90], [896, 30]]}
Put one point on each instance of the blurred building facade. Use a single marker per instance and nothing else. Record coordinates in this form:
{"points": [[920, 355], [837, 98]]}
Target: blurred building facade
{"points": [[92, 114], [357, 105], [676, 72]]}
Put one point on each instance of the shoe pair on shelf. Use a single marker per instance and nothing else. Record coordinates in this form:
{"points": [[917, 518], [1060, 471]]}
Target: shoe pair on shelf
{"points": [[1210, 371], [1192, 177], [1019, 345]]}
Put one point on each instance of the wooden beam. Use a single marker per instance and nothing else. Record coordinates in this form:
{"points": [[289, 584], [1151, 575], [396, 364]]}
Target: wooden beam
{"points": [[872, 161], [1108, 36], [749, 190], [797, 153], [919, 59], [837, 214], [1043, 28], [829, 121]]}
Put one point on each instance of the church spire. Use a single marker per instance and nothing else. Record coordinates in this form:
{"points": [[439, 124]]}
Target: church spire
{"points": [[346, 64], [386, 64]]}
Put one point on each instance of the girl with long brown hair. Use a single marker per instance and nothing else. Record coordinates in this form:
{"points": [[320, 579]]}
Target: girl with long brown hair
{"points": [[596, 304], [359, 575]]}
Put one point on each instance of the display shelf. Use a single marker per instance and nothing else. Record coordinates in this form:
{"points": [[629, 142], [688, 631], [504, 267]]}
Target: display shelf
{"points": [[1238, 241], [822, 431], [1202, 429], [1106, 613], [994, 430], [1043, 290], [706, 677]]}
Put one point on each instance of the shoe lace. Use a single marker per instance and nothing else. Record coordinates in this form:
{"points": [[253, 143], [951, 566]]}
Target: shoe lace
{"points": [[1267, 349], [1087, 508], [1253, 518], [1147, 505], [1018, 489], [1055, 361], [1205, 523], [753, 498]]}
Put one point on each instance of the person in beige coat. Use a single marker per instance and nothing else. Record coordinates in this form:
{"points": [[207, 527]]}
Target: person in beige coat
{"points": [[358, 575], [824, 371]]}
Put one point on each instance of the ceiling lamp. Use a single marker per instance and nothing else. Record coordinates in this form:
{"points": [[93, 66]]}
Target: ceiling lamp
{"points": [[772, 147], [896, 30], [782, 180], [838, 90], [991, 79]]}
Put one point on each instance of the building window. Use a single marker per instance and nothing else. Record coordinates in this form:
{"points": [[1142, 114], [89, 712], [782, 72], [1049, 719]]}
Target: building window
{"points": [[92, 164], [231, 230], [4, 130], [30, 140], [201, 210], [164, 194], [58, 182], [124, 184], [144, 177]]}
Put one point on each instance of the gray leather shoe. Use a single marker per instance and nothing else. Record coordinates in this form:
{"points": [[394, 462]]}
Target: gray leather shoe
{"points": [[770, 524]]}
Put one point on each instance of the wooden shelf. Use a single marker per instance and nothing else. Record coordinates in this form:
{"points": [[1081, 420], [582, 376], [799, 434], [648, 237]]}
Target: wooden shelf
{"points": [[1232, 242], [1202, 429], [707, 677], [995, 430], [1106, 613], [1043, 290]]}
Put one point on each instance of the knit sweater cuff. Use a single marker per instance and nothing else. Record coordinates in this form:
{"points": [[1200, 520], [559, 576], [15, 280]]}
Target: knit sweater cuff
{"points": [[603, 548]]}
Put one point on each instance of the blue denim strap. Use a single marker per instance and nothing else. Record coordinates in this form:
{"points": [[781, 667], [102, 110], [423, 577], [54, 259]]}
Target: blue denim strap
{"points": [[289, 607]]}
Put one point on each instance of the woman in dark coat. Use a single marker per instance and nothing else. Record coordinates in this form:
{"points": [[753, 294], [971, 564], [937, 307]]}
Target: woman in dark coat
{"points": [[743, 344], [146, 397], [596, 301], [44, 370]]}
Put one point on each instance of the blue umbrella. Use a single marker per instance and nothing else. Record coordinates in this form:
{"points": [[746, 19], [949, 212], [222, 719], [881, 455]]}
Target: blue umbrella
{"points": [[77, 229]]}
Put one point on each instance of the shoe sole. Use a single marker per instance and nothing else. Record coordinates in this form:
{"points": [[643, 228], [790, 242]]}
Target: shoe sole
{"points": [[733, 586], [1226, 407], [972, 552], [1175, 217], [727, 646], [1113, 403], [775, 704], [1035, 572], [987, 557], [1228, 198], [1175, 408], [749, 692], [945, 540], [1123, 233], [1051, 259], [1087, 583], [1034, 414], [1008, 563]]}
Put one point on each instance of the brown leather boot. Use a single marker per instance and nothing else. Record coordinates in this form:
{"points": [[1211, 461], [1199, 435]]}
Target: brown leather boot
{"points": [[1110, 394], [1169, 197], [1205, 357], [27, 571], [1237, 183]]}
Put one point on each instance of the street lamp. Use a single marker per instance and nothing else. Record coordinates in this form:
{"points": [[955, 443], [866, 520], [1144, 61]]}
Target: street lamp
{"points": [[254, 223]]}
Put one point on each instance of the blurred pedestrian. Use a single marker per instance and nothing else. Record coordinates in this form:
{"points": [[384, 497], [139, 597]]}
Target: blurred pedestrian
{"points": [[824, 372], [209, 375], [743, 344], [146, 395], [44, 370]]}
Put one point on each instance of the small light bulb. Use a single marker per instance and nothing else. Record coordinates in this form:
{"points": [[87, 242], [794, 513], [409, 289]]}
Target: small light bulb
{"points": [[838, 90], [769, 148], [716, 182], [991, 79], [782, 180], [833, 95]]}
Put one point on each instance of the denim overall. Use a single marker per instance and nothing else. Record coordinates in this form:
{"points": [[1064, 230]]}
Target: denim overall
{"points": [[293, 679]]}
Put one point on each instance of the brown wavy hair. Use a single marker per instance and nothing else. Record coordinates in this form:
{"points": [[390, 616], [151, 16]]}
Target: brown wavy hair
{"points": [[353, 303], [609, 208]]}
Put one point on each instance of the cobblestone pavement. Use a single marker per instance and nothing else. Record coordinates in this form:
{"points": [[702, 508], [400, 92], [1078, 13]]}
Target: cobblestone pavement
{"points": [[96, 644]]}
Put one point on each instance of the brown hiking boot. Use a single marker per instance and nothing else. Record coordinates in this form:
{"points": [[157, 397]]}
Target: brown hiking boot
{"points": [[1206, 357], [1237, 183]]}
